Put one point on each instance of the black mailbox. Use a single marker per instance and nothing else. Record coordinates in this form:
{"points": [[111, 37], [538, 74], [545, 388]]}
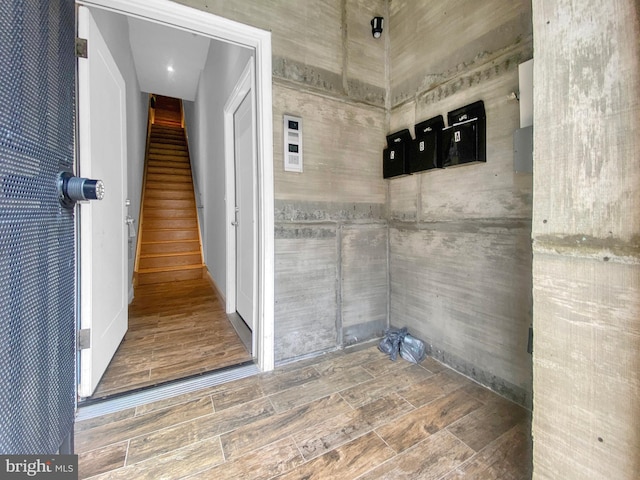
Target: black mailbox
{"points": [[464, 140], [427, 145], [395, 157]]}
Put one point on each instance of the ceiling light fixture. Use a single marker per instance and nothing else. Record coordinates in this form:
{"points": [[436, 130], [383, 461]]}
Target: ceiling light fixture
{"points": [[170, 69]]}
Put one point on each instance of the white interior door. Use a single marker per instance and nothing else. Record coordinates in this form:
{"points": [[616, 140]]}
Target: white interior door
{"points": [[103, 233], [245, 165]]}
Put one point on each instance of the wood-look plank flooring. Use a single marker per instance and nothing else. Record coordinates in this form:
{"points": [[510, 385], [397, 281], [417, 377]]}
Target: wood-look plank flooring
{"points": [[347, 415], [176, 329]]}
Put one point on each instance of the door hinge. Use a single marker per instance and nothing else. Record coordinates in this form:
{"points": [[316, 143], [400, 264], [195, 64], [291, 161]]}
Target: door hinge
{"points": [[84, 338], [81, 47]]}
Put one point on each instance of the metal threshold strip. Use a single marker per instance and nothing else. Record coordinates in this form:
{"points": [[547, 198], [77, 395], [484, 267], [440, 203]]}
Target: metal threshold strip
{"points": [[92, 408]]}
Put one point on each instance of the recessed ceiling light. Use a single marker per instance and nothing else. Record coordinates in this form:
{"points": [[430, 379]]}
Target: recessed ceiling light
{"points": [[170, 69]]}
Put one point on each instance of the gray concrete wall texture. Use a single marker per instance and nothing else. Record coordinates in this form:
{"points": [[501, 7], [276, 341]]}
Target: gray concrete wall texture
{"points": [[331, 231], [586, 231], [448, 253], [460, 247], [455, 243]]}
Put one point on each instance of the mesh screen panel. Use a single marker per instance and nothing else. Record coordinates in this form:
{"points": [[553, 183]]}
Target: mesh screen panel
{"points": [[37, 264]]}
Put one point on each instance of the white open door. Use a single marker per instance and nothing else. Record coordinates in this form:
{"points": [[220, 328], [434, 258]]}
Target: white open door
{"points": [[245, 186], [103, 233]]}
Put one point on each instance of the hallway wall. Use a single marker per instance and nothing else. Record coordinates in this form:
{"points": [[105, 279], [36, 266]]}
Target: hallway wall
{"points": [[204, 121], [331, 233], [460, 250]]}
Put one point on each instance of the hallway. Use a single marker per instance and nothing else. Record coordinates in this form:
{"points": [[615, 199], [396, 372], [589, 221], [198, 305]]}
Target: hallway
{"points": [[176, 329], [348, 414]]}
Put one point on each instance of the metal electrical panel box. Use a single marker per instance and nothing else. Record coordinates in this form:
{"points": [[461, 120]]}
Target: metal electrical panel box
{"points": [[523, 150], [292, 143], [395, 158], [427, 147], [464, 140]]}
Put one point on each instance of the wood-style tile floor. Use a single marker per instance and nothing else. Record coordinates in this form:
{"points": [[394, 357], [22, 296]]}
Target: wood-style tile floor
{"points": [[176, 330], [346, 415]]}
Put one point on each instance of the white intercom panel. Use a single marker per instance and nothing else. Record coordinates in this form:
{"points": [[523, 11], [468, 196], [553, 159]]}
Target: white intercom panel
{"points": [[292, 144]]}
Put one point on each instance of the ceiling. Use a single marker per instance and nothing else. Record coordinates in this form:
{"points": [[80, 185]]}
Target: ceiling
{"points": [[168, 61]]}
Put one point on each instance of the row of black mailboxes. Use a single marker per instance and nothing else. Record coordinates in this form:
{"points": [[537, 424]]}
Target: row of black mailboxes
{"points": [[437, 146]]}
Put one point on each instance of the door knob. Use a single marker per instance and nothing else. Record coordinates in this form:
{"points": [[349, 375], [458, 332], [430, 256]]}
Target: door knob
{"points": [[130, 225], [72, 189]]}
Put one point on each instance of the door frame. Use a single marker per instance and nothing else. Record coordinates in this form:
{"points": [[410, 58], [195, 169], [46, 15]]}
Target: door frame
{"points": [[186, 18], [243, 87]]}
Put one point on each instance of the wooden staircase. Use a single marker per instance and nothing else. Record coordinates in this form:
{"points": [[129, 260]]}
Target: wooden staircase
{"points": [[170, 248]]}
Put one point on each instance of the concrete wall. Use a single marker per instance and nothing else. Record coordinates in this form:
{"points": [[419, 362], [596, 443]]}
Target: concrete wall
{"points": [[586, 230], [460, 250], [115, 30], [331, 251], [204, 120]]}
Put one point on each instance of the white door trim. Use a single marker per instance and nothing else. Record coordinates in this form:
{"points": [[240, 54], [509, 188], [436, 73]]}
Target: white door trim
{"points": [[186, 18]]}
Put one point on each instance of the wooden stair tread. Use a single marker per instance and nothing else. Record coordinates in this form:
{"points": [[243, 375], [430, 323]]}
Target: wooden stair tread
{"points": [[158, 242], [170, 157], [176, 172], [166, 137], [175, 197], [179, 163], [169, 164], [162, 142], [168, 127], [170, 269], [160, 154], [169, 170], [155, 185], [171, 131], [166, 213], [185, 235], [166, 177], [165, 163], [170, 224], [175, 145], [190, 229], [172, 254], [168, 147], [154, 178], [172, 211], [170, 248], [159, 203]]}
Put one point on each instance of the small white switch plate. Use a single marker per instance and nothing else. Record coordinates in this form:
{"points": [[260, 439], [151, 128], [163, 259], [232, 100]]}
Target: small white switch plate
{"points": [[292, 143]]}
